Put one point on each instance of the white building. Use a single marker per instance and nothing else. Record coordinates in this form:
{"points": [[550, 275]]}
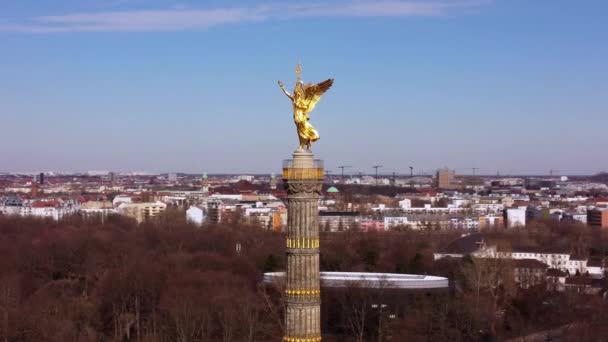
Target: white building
{"points": [[248, 178], [380, 208], [121, 199], [9, 210], [516, 217], [334, 221], [595, 267], [141, 211], [257, 210], [475, 245], [468, 223], [428, 209], [559, 260], [236, 197], [460, 202], [487, 207], [195, 215], [193, 196], [10, 205], [580, 217], [395, 221], [174, 200], [44, 211], [101, 208], [405, 203]]}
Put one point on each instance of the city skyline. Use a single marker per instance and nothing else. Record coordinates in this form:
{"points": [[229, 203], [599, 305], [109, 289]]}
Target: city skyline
{"points": [[164, 86]]}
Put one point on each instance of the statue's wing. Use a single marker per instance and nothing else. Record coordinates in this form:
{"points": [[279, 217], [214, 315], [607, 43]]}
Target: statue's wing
{"points": [[313, 92]]}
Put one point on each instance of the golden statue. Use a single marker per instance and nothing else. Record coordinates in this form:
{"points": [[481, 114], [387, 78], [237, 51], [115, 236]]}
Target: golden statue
{"points": [[304, 99]]}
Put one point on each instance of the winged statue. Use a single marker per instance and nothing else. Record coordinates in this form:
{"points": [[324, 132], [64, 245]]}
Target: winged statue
{"points": [[304, 99]]}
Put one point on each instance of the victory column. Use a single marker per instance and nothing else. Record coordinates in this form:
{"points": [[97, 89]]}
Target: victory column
{"points": [[303, 180]]}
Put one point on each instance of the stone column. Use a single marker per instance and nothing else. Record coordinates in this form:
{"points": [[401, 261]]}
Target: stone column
{"points": [[303, 179]]}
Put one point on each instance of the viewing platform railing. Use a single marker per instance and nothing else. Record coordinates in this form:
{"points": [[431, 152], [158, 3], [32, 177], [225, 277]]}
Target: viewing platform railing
{"points": [[295, 172]]}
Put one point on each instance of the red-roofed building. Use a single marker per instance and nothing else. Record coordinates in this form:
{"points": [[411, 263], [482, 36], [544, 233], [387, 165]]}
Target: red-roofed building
{"points": [[45, 204], [520, 203], [600, 201]]}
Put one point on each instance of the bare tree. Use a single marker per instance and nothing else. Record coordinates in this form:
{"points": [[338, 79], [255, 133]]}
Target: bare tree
{"points": [[493, 277], [356, 305], [250, 313]]}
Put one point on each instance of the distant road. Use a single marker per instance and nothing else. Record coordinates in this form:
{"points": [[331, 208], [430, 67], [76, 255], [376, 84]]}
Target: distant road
{"points": [[545, 335]]}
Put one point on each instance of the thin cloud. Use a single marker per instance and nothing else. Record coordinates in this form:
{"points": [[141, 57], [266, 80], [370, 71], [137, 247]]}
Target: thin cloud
{"points": [[183, 19]]}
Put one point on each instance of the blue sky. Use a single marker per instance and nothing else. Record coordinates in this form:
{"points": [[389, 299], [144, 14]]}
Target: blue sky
{"points": [[190, 86]]}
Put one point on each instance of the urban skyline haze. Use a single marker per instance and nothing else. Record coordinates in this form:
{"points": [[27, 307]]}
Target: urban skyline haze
{"points": [[183, 86]]}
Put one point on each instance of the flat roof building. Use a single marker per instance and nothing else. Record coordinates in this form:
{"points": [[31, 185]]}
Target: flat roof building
{"points": [[381, 296], [335, 221], [515, 217], [445, 178], [142, 211], [598, 217], [371, 280]]}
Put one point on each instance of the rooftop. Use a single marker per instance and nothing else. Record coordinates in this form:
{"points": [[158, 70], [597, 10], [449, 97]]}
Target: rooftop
{"points": [[529, 263], [595, 262], [339, 213], [464, 245]]}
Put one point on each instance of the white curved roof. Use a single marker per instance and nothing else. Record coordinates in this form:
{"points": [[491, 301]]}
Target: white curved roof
{"points": [[371, 280]]}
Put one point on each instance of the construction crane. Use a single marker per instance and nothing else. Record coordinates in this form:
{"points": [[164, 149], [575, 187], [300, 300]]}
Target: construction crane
{"points": [[411, 172], [342, 168], [377, 167], [551, 172]]}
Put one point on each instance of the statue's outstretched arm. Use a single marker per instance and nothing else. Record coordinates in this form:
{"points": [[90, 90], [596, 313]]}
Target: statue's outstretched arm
{"points": [[285, 91]]}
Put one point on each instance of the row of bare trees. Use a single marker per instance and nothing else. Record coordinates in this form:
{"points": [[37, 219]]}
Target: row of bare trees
{"points": [[80, 280], [113, 280]]}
